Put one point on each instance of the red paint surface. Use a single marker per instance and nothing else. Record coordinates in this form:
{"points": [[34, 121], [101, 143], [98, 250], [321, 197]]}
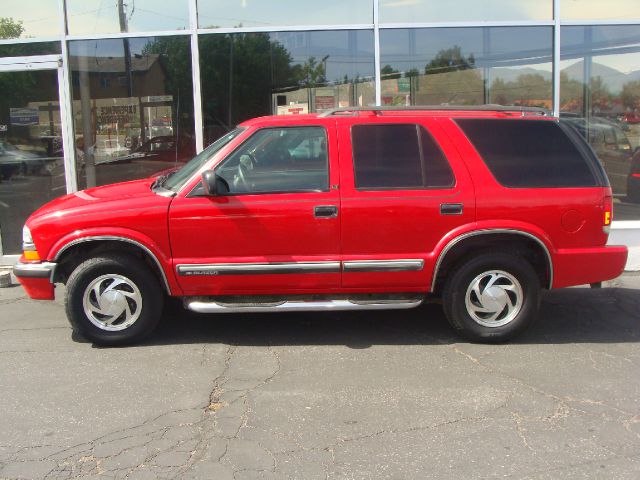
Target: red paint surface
{"points": [[371, 225]]}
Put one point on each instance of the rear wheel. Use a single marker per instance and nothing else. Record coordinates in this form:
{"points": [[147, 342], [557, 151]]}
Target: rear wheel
{"points": [[113, 299], [492, 297]]}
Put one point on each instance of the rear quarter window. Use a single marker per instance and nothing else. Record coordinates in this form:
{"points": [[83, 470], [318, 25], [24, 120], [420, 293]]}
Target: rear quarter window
{"points": [[529, 153]]}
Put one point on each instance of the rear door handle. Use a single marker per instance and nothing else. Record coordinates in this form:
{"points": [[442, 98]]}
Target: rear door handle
{"points": [[451, 208], [325, 211]]}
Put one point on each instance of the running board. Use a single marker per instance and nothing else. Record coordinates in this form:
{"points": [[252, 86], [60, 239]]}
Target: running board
{"points": [[300, 306]]}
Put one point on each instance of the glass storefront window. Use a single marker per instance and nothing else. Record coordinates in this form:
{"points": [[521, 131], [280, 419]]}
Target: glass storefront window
{"points": [[31, 155], [395, 11], [29, 19], [240, 13], [600, 97], [99, 16], [132, 107], [26, 49], [599, 10], [467, 66], [283, 73]]}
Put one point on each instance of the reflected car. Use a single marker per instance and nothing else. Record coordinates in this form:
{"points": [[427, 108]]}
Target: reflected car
{"points": [[610, 144], [631, 117], [633, 180], [162, 149], [14, 161]]}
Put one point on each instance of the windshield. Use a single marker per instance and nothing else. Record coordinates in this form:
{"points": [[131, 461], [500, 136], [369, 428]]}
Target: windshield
{"points": [[178, 179]]}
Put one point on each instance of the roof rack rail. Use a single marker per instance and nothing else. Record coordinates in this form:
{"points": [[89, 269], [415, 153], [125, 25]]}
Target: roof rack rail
{"points": [[458, 108]]}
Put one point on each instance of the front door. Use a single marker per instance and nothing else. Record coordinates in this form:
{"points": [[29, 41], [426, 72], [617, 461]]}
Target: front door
{"points": [[33, 138], [274, 226]]}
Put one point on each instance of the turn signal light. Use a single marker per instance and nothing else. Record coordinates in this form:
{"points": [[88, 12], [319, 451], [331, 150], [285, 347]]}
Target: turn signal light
{"points": [[31, 255], [607, 214]]}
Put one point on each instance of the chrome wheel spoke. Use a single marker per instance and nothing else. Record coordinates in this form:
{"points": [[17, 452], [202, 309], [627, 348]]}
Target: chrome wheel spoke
{"points": [[114, 283], [494, 298], [112, 302]]}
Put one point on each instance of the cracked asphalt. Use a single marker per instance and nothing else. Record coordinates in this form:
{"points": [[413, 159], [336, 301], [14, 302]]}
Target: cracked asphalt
{"points": [[384, 395]]}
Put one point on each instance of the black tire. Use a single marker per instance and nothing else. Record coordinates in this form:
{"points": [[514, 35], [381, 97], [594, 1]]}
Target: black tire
{"points": [[137, 319], [510, 272]]}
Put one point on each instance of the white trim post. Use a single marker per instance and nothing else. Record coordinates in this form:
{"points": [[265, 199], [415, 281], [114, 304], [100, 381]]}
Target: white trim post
{"points": [[556, 58], [195, 72], [376, 54], [66, 107]]}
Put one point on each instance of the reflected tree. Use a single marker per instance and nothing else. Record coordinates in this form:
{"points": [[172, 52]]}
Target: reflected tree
{"points": [[9, 28], [450, 60], [631, 95]]}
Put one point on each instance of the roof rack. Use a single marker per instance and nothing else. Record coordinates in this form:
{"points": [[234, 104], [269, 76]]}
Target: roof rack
{"points": [[435, 108]]}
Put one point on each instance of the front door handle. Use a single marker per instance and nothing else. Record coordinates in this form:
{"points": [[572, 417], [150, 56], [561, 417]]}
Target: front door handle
{"points": [[325, 211], [451, 208]]}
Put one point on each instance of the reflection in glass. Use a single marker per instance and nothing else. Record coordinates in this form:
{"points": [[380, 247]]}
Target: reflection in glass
{"points": [[29, 19], [398, 11], [284, 73], [467, 66], [31, 156], [99, 16], [599, 10], [132, 106], [26, 49], [600, 97], [241, 13]]}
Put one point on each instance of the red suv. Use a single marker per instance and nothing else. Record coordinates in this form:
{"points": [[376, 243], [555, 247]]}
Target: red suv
{"points": [[366, 209]]}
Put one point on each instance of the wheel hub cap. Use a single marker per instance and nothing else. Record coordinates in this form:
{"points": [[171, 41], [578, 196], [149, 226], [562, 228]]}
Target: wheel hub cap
{"points": [[112, 302], [494, 298]]}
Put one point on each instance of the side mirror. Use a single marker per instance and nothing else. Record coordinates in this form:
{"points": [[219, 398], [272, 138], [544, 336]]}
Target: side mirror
{"points": [[213, 184], [209, 182]]}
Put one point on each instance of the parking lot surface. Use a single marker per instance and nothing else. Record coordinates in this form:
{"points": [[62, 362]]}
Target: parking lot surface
{"points": [[384, 395]]}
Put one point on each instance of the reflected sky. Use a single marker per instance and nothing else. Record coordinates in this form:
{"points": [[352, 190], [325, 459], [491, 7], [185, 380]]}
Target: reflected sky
{"points": [[597, 9], [261, 13], [100, 16], [39, 17], [397, 11]]}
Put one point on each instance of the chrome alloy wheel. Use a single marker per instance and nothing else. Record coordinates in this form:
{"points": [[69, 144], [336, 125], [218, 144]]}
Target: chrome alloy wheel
{"points": [[112, 302], [494, 298]]}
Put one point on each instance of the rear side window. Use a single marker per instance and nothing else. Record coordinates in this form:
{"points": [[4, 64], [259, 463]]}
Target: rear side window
{"points": [[398, 157], [528, 153]]}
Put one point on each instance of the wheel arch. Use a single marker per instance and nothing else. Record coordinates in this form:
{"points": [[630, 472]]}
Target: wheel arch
{"points": [[74, 251], [460, 246]]}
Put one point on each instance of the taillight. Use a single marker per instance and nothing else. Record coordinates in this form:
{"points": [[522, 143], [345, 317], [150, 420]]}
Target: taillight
{"points": [[607, 214]]}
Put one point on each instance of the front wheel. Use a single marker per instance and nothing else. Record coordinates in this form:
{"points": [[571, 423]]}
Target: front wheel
{"points": [[492, 298], [113, 299]]}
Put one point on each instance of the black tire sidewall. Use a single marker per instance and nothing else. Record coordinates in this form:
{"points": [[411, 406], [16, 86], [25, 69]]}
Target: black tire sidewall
{"points": [[456, 288], [133, 269]]}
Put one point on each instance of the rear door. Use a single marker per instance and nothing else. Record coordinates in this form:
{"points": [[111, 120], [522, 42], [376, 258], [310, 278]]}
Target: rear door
{"points": [[403, 188]]}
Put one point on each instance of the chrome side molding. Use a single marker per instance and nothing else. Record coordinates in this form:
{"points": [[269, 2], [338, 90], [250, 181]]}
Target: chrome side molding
{"points": [[200, 306], [349, 266], [258, 268], [382, 265]]}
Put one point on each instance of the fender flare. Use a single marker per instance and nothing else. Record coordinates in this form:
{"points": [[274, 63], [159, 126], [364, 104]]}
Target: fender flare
{"points": [[112, 238], [488, 231]]}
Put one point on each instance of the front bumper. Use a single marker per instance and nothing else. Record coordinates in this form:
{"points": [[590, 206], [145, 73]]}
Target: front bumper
{"points": [[36, 279]]}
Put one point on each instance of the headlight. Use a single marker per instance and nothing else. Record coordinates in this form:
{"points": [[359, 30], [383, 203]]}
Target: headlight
{"points": [[27, 239], [29, 251]]}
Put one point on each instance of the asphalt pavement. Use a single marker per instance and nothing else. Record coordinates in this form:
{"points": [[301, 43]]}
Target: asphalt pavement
{"points": [[383, 395]]}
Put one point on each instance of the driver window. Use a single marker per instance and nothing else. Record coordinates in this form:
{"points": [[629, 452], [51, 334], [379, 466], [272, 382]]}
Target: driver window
{"points": [[278, 160]]}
